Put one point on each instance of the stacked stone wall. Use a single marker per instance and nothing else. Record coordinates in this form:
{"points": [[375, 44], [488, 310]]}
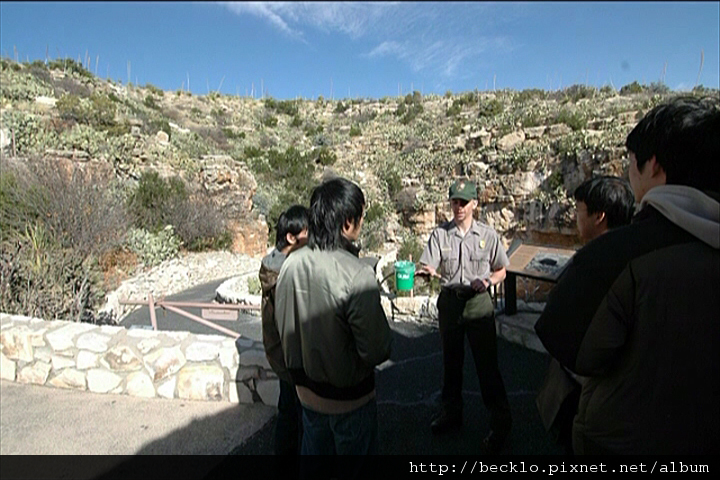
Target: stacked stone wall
{"points": [[138, 362]]}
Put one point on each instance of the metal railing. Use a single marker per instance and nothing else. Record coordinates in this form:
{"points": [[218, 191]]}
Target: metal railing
{"points": [[218, 311]]}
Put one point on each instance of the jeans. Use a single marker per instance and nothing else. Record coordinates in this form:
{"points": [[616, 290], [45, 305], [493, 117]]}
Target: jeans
{"points": [[352, 433], [480, 331], [288, 425]]}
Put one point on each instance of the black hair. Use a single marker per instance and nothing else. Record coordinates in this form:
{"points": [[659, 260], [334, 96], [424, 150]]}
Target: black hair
{"points": [[293, 221], [333, 203], [683, 136], [611, 195]]}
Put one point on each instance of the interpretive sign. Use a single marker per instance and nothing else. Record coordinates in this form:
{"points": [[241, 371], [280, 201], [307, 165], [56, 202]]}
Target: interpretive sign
{"points": [[533, 261]]}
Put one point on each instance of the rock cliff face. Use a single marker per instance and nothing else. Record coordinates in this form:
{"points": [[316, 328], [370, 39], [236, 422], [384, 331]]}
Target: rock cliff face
{"points": [[527, 150]]}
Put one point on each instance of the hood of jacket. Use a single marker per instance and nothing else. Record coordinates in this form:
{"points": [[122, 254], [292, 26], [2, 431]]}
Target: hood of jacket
{"points": [[689, 209]]}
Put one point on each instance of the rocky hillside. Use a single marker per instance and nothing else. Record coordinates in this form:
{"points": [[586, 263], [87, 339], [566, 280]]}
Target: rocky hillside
{"points": [[527, 149]]}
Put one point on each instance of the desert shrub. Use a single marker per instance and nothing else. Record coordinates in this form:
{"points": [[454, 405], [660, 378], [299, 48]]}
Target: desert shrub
{"points": [[355, 131], [29, 130], [391, 177], [287, 107], [321, 140], [341, 107], [490, 109], [573, 93], [154, 90], [21, 202], [574, 120], [312, 130], [159, 125], [199, 224], [70, 108], [252, 152], [153, 248], [23, 85], [296, 121], [77, 207], [632, 88], [232, 134], [454, 110], [97, 111], [325, 157], [410, 247], [292, 172], [151, 202], [658, 88], [267, 141], [83, 138], [531, 119], [409, 108], [70, 86], [39, 278], [529, 95], [190, 145], [269, 120], [372, 235], [70, 65], [212, 137], [39, 70], [150, 102]]}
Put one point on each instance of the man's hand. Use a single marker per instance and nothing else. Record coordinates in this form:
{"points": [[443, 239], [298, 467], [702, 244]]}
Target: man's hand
{"points": [[479, 285], [427, 270]]}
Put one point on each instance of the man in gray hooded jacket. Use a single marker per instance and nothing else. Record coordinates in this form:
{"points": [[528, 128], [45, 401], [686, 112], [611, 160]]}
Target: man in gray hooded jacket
{"points": [[636, 311]]}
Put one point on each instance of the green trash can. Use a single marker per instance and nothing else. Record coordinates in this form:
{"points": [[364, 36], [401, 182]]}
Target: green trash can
{"points": [[404, 275]]}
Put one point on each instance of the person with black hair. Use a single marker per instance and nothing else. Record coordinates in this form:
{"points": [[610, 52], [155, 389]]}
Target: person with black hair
{"points": [[333, 328], [603, 203], [290, 234], [636, 309]]}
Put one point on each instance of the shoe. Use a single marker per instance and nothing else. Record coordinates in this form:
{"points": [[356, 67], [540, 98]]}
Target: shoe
{"points": [[446, 422], [494, 443]]}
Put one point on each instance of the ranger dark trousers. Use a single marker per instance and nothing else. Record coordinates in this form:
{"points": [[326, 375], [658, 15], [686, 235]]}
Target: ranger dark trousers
{"points": [[472, 316]]}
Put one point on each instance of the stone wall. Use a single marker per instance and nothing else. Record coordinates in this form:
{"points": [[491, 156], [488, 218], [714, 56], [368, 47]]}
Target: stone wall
{"points": [[138, 362]]}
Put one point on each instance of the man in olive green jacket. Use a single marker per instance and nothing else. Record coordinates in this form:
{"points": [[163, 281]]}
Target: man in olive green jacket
{"points": [[333, 328]]}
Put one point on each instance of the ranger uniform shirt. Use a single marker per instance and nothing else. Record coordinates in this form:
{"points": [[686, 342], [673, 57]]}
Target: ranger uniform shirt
{"points": [[461, 259]]}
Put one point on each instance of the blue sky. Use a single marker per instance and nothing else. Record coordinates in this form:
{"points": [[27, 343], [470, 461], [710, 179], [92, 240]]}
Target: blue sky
{"points": [[359, 49]]}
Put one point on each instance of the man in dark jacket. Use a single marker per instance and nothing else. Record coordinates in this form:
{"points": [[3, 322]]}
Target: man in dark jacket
{"points": [[290, 234], [636, 309], [603, 203]]}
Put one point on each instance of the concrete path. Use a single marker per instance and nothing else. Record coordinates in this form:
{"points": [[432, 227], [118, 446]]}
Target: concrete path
{"points": [[37, 420]]}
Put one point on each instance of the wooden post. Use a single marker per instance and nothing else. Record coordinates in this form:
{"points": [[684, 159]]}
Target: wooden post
{"points": [[412, 289], [153, 319], [510, 294]]}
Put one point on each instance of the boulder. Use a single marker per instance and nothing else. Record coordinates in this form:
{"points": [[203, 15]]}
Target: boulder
{"points": [[558, 130], [510, 141]]}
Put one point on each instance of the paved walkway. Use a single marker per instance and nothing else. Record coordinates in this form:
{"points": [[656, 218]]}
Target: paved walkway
{"points": [[38, 420]]}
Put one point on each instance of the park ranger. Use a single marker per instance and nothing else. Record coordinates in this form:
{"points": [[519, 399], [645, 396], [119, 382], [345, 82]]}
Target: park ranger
{"points": [[468, 257]]}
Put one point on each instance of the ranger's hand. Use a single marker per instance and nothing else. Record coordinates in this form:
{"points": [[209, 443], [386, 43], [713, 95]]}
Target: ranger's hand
{"points": [[478, 285], [427, 270]]}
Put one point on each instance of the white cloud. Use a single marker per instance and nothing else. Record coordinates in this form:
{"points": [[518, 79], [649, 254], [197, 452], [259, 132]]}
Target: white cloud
{"points": [[263, 10], [350, 18], [435, 37]]}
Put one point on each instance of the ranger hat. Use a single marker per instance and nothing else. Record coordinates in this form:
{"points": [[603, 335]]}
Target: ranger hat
{"points": [[464, 190]]}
